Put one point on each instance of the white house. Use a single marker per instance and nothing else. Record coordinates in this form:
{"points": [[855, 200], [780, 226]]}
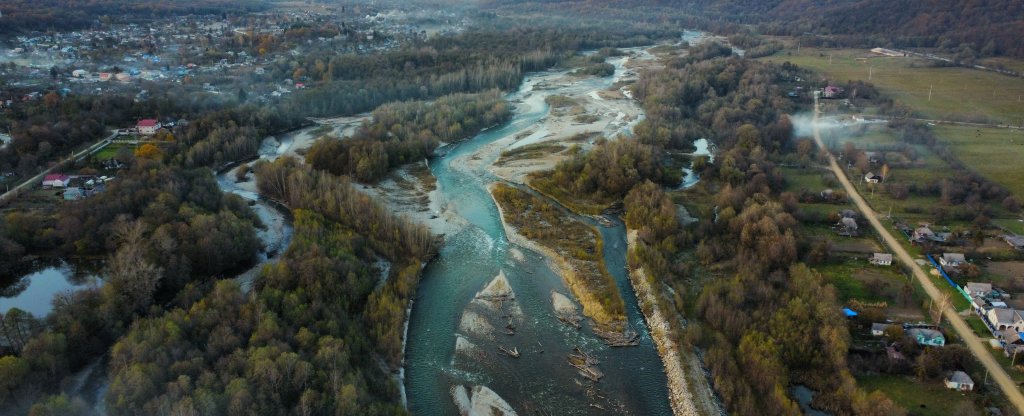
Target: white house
{"points": [[1003, 318], [148, 126], [881, 259], [959, 380], [952, 260], [978, 289], [872, 178], [878, 329]]}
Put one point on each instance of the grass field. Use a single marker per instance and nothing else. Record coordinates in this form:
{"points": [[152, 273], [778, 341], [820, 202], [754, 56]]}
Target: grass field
{"points": [[810, 179], [109, 152], [1013, 225], [978, 326], [994, 153], [960, 93], [919, 398], [1008, 63], [853, 278]]}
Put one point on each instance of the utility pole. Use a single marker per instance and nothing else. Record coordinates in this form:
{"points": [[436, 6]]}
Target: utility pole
{"points": [[870, 71], [930, 92], [830, 59]]}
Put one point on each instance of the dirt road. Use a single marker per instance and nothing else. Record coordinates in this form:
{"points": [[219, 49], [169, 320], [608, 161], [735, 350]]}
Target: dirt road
{"points": [[979, 349]]}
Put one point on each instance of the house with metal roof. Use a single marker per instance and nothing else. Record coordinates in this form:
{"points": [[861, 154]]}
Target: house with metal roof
{"points": [[978, 289], [959, 380], [952, 259], [927, 337], [881, 259]]}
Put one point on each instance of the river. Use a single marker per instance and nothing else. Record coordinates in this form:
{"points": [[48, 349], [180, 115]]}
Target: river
{"points": [[690, 177], [277, 231], [540, 381]]}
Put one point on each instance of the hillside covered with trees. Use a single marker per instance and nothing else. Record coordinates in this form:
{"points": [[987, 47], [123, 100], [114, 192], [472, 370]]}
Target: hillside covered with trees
{"points": [[985, 27]]}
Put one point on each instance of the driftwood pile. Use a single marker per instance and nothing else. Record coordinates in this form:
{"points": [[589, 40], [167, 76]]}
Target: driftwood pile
{"points": [[586, 364]]}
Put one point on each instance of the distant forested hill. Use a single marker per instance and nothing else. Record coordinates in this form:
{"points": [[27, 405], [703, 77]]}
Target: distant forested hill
{"points": [[992, 27], [26, 15], [987, 27]]}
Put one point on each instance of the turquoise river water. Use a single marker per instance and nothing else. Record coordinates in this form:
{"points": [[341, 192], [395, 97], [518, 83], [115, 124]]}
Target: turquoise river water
{"points": [[541, 381]]}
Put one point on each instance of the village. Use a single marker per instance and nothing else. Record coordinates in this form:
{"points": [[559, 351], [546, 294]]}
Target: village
{"points": [[204, 54], [975, 260]]}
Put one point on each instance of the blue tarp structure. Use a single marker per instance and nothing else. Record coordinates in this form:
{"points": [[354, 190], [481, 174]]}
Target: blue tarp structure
{"points": [[946, 276], [850, 313]]}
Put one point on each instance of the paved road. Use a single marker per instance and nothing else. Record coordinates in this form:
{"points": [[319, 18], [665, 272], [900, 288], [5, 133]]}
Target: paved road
{"points": [[9, 195], [980, 350]]}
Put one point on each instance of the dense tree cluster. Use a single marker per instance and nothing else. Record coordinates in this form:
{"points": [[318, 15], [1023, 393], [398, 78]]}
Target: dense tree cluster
{"points": [[579, 244], [301, 187], [196, 230], [726, 100], [404, 132], [660, 240], [298, 345], [590, 181], [164, 225], [775, 322], [463, 63]]}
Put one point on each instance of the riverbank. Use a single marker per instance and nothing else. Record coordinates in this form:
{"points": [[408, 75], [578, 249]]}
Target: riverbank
{"points": [[541, 381], [600, 299], [411, 191], [689, 391]]}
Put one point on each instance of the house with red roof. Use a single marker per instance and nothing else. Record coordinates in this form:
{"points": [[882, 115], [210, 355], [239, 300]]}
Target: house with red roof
{"points": [[831, 91], [56, 180], [148, 126]]}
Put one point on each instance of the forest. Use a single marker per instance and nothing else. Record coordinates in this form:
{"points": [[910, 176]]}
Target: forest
{"points": [[300, 343], [405, 132], [461, 63], [979, 28], [21, 16], [169, 230]]}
